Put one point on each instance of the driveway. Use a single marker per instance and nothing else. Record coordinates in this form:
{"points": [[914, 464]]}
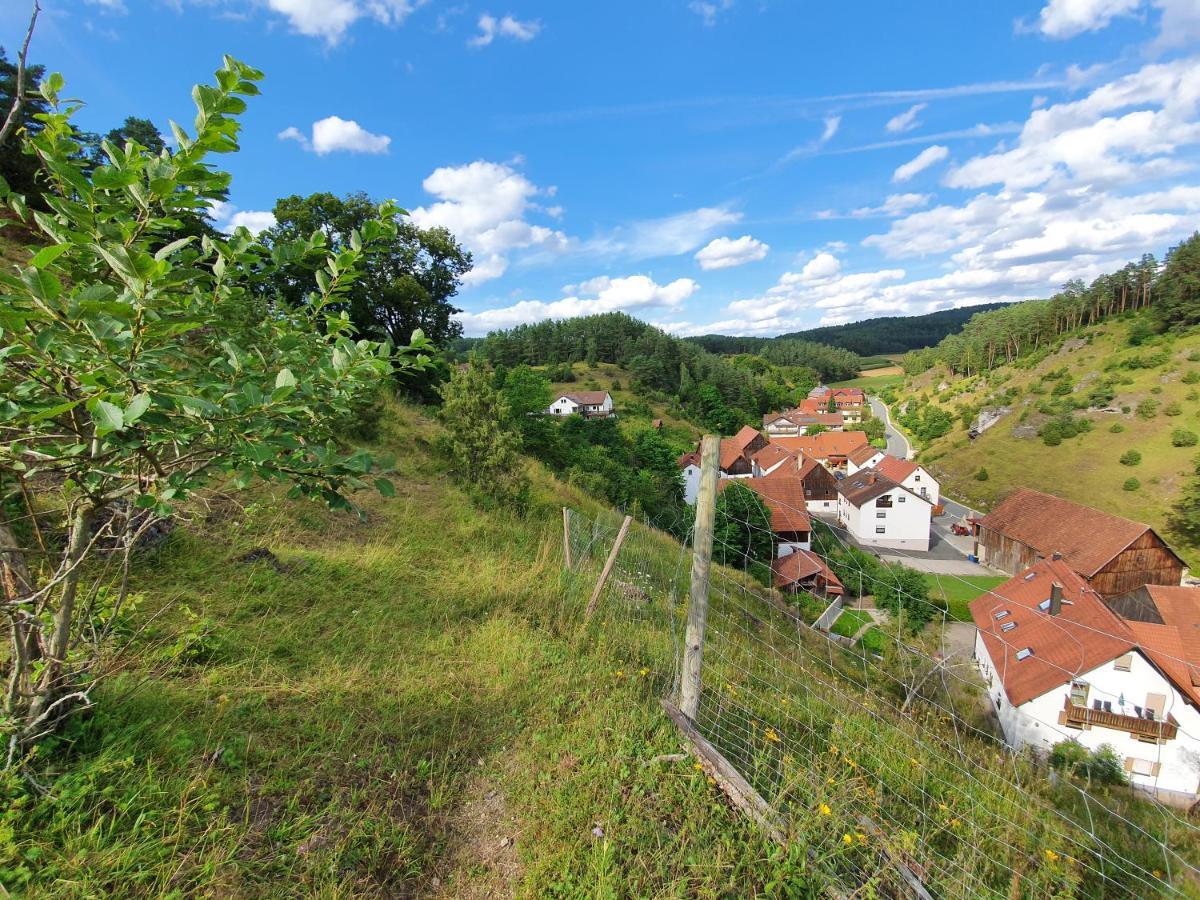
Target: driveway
{"points": [[897, 444]]}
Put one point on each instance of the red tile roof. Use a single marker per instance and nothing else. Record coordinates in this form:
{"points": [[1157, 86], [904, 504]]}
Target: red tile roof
{"points": [[745, 437], [1087, 538], [1173, 645], [587, 398], [895, 469], [800, 565], [688, 459], [771, 455], [824, 445], [783, 497], [1086, 634], [811, 405], [731, 453], [860, 455]]}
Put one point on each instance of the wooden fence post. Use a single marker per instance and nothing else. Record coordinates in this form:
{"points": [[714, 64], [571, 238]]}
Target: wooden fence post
{"points": [[607, 570], [702, 541], [567, 538]]}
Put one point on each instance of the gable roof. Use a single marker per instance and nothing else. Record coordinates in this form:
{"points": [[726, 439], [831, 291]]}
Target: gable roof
{"points": [[823, 445], [862, 455], [895, 468], [745, 437], [771, 455], [1165, 621], [799, 565], [585, 398], [783, 498], [1087, 538], [1084, 635], [688, 459], [810, 405], [731, 454], [863, 487]]}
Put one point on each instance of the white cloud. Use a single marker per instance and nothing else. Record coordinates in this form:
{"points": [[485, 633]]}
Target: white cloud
{"points": [[708, 10], [484, 204], [333, 134], [228, 218], [330, 19], [596, 295], [1067, 18], [668, 236], [832, 124], [490, 28], [726, 253], [1180, 26], [893, 205], [930, 156], [907, 120]]}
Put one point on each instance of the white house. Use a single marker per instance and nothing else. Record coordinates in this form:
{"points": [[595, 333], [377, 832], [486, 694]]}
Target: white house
{"points": [[878, 512], [585, 403], [770, 458], [864, 456], [689, 466], [1061, 663], [797, 422], [911, 475]]}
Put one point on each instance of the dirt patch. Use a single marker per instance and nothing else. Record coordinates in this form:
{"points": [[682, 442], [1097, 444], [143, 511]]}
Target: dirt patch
{"points": [[481, 854], [876, 373]]}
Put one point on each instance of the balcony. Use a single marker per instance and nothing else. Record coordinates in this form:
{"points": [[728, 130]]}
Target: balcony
{"points": [[1084, 717]]}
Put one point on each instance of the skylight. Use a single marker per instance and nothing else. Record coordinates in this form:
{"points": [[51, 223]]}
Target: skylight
{"points": [[1029, 576], [1008, 626], [1024, 654], [1044, 605], [1001, 614]]}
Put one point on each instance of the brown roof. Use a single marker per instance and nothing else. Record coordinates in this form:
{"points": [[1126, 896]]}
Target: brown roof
{"points": [[859, 455], [824, 445], [1087, 538], [731, 453], [586, 398], [771, 455], [895, 469], [800, 565], [1173, 642], [1086, 634], [863, 487], [783, 497], [745, 437], [810, 405], [688, 459], [849, 394]]}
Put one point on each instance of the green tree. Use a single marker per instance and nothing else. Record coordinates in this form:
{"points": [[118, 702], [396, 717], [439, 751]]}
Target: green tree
{"points": [[406, 286], [18, 167], [1131, 458], [481, 445], [1184, 518], [1178, 287], [133, 374], [904, 593], [742, 528]]}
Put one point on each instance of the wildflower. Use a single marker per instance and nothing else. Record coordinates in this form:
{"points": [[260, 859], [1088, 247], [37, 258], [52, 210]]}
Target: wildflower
{"points": [[771, 735], [644, 672], [943, 807], [954, 823], [846, 839], [862, 838], [824, 809], [1157, 873], [1052, 856], [620, 673], [851, 763], [829, 781], [711, 780], [913, 760], [833, 749], [785, 701], [699, 767]]}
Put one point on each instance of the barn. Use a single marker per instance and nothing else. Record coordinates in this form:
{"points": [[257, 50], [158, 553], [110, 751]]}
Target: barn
{"points": [[1115, 555]]}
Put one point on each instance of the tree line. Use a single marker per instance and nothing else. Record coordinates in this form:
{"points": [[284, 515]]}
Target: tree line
{"points": [[1170, 292]]}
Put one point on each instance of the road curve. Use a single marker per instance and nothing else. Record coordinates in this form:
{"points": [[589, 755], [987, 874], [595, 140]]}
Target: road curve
{"points": [[897, 443]]}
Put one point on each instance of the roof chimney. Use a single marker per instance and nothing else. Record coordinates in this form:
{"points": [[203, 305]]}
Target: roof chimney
{"points": [[1056, 555], [1056, 598], [870, 478]]}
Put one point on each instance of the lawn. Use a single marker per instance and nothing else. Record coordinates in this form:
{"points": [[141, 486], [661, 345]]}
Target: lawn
{"points": [[850, 621], [872, 383], [959, 590]]}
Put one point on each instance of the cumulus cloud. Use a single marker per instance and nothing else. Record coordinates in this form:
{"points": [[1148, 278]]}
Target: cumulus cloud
{"points": [[333, 134], [228, 218], [491, 28], [484, 205], [907, 120], [726, 253], [330, 19], [1067, 18], [930, 156], [668, 236], [596, 295]]}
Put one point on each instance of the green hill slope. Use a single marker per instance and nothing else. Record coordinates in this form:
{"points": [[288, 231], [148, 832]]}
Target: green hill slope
{"points": [[1097, 370]]}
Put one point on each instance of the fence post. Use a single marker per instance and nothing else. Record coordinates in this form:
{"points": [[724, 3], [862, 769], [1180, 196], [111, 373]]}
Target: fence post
{"points": [[702, 541], [612, 558], [567, 538]]}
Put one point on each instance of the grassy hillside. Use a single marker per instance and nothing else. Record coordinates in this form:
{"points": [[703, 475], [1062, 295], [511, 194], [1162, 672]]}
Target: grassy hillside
{"points": [[1085, 468]]}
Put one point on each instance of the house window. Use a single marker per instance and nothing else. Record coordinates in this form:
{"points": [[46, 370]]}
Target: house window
{"points": [[924, 492], [1079, 693], [1008, 626], [917, 478], [1141, 766], [1156, 705], [881, 529], [1121, 663], [881, 513], [885, 501]]}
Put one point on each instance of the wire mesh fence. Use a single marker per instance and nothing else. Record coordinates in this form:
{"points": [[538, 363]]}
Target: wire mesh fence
{"points": [[878, 759]]}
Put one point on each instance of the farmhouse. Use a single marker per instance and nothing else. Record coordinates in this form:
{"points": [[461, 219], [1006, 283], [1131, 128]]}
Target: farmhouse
{"points": [[591, 404], [795, 422], [911, 475], [803, 570], [879, 512], [771, 458], [734, 460], [847, 401], [1061, 663], [784, 499], [831, 448], [862, 457], [1113, 554], [820, 487], [689, 467]]}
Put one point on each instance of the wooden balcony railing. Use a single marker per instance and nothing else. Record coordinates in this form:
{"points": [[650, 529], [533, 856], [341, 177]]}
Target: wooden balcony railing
{"points": [[1078, 716]]}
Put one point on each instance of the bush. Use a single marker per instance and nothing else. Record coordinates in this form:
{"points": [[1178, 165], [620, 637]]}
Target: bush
{"points": [[1147, 409], [1191, 377], [1131, 484], [982, 474], [1131, 458], [1157, 389], [1101, 765], [1173, 409], [1116, 428], [1181, 437]]}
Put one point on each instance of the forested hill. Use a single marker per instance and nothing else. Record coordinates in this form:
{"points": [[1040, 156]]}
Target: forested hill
{"points": [[723, 393], [889, 334]]}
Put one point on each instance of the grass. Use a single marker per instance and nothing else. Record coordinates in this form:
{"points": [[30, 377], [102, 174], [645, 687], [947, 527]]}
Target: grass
{"points": [[850, 621], [959, 590], [875, 641], [872, 382]]}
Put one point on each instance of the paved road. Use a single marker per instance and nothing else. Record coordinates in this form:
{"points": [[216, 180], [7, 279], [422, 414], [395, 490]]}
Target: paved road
{"points": [[897, 444]]}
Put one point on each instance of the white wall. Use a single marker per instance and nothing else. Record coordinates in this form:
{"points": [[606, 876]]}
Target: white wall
{"points": [[823, 507], [563, 406], [1035, 723], [758, 471], [851, 468], [787, 548], [691, 483], [905, 524], [923, 484]]}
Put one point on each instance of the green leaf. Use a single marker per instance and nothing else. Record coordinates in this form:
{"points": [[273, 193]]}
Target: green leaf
{"points": [[107, 417], [172, 247], [385, 487], [137, 406], [52, 411], [47, 255], [285, 379], [42, 285]]}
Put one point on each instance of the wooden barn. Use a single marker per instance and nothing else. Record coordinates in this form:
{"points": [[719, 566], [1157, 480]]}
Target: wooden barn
{"points": [[1113, 554]]}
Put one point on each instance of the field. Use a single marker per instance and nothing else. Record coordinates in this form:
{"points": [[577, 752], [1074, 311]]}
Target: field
{"points": [[959, 590], [850, 621], [873, 380]]}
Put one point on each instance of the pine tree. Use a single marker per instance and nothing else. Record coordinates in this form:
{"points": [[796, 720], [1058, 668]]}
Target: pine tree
{"points": [[1184, 519], [481, 445]]}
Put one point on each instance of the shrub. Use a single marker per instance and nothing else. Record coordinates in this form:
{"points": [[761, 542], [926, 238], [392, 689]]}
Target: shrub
{"points": [[1101, 765], [1191, 377], [1131, 484], [1147, 409], [1192, 396], [982, 474], [1181, 437], [1116, 428], [1173, 409], [1194, 356], [1131, 458], [1157, 389]]}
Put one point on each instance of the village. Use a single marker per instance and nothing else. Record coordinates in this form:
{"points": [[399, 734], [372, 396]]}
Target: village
{"points": [[1092, 638]]}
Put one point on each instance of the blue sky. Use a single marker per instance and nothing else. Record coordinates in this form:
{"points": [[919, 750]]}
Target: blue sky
{"points": [[744, 166]]}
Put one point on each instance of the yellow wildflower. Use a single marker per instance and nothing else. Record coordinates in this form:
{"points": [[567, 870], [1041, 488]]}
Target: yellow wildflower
{"points": [[829, 781], [1157, 873], [943, 807], [1052, 856], [954, 823], [699, 767], [711, 780], [833, 749], [619, 673], [824, 809], [846, 839], [862, 838], [913, 760], [644, 672], [771, 735]]}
